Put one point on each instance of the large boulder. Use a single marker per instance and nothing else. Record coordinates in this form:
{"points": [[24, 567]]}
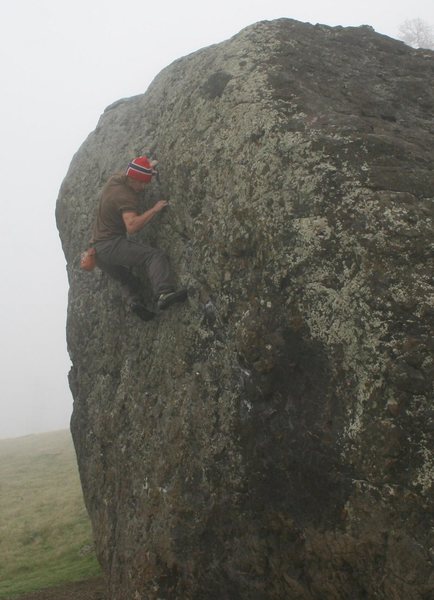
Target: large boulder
{"points": [[272, 438]]}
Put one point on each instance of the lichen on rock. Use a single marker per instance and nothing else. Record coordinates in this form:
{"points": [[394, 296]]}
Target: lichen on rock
{"points": [[272, 438]]}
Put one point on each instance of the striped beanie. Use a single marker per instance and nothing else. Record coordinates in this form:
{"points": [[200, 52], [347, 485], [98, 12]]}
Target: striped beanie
{"points": [[140, 168]]}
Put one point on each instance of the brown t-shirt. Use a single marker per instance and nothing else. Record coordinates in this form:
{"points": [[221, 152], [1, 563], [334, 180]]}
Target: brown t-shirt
{"points": [[116, 198]]}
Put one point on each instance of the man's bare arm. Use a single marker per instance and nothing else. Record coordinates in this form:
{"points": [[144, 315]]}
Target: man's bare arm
{"points": [[134, 222]]}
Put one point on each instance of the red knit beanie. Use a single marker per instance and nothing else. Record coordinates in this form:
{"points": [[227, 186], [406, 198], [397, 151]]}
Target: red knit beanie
{"points": [[140, 168]]}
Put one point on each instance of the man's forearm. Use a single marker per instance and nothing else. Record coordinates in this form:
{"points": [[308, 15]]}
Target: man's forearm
{"points": [[137, 222], [134, 222]]}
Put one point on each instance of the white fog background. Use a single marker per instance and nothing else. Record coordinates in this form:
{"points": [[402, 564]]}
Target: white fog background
{"points": [[62, 63]]}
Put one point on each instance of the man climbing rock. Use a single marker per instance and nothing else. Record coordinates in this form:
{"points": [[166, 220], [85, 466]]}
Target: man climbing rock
{"points": [[118, 216]]}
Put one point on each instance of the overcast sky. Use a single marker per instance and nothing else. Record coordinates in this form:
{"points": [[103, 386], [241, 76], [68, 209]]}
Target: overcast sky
{"points": [[62, 63]]}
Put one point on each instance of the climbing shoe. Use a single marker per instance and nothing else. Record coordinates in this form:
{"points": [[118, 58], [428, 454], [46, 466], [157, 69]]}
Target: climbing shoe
{"points": [[141, 311], [167, 299]]}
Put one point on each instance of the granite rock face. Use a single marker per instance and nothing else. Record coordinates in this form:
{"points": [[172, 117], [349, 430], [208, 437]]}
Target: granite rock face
{"points": [[273, 437]]}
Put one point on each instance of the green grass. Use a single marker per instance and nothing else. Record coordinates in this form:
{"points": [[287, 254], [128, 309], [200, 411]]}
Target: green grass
{"points": [[45, 534]]}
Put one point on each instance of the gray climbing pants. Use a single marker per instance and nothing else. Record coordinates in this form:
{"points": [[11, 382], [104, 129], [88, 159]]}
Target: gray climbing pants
{"points": [[118, 255]]}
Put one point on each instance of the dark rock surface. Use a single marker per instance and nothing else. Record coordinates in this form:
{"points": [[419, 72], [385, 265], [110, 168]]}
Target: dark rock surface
{"points": [[272, 438]]}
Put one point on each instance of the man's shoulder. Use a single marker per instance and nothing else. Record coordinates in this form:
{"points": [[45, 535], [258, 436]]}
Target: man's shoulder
{"points": [[117, 181], [117, 188]]}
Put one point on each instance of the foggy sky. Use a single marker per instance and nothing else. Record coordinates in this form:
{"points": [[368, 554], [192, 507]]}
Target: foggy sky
{"points": [[62, 63]]}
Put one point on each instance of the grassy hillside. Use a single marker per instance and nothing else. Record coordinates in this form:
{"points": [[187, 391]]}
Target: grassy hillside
{"points": [[45, 535]]}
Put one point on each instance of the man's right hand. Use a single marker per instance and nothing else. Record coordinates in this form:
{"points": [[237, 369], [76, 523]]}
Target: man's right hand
{"points": [[160, 205]]}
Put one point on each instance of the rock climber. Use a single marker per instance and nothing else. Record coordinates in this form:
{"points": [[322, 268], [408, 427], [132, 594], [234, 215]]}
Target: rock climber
{"points": [[118, 216]]}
